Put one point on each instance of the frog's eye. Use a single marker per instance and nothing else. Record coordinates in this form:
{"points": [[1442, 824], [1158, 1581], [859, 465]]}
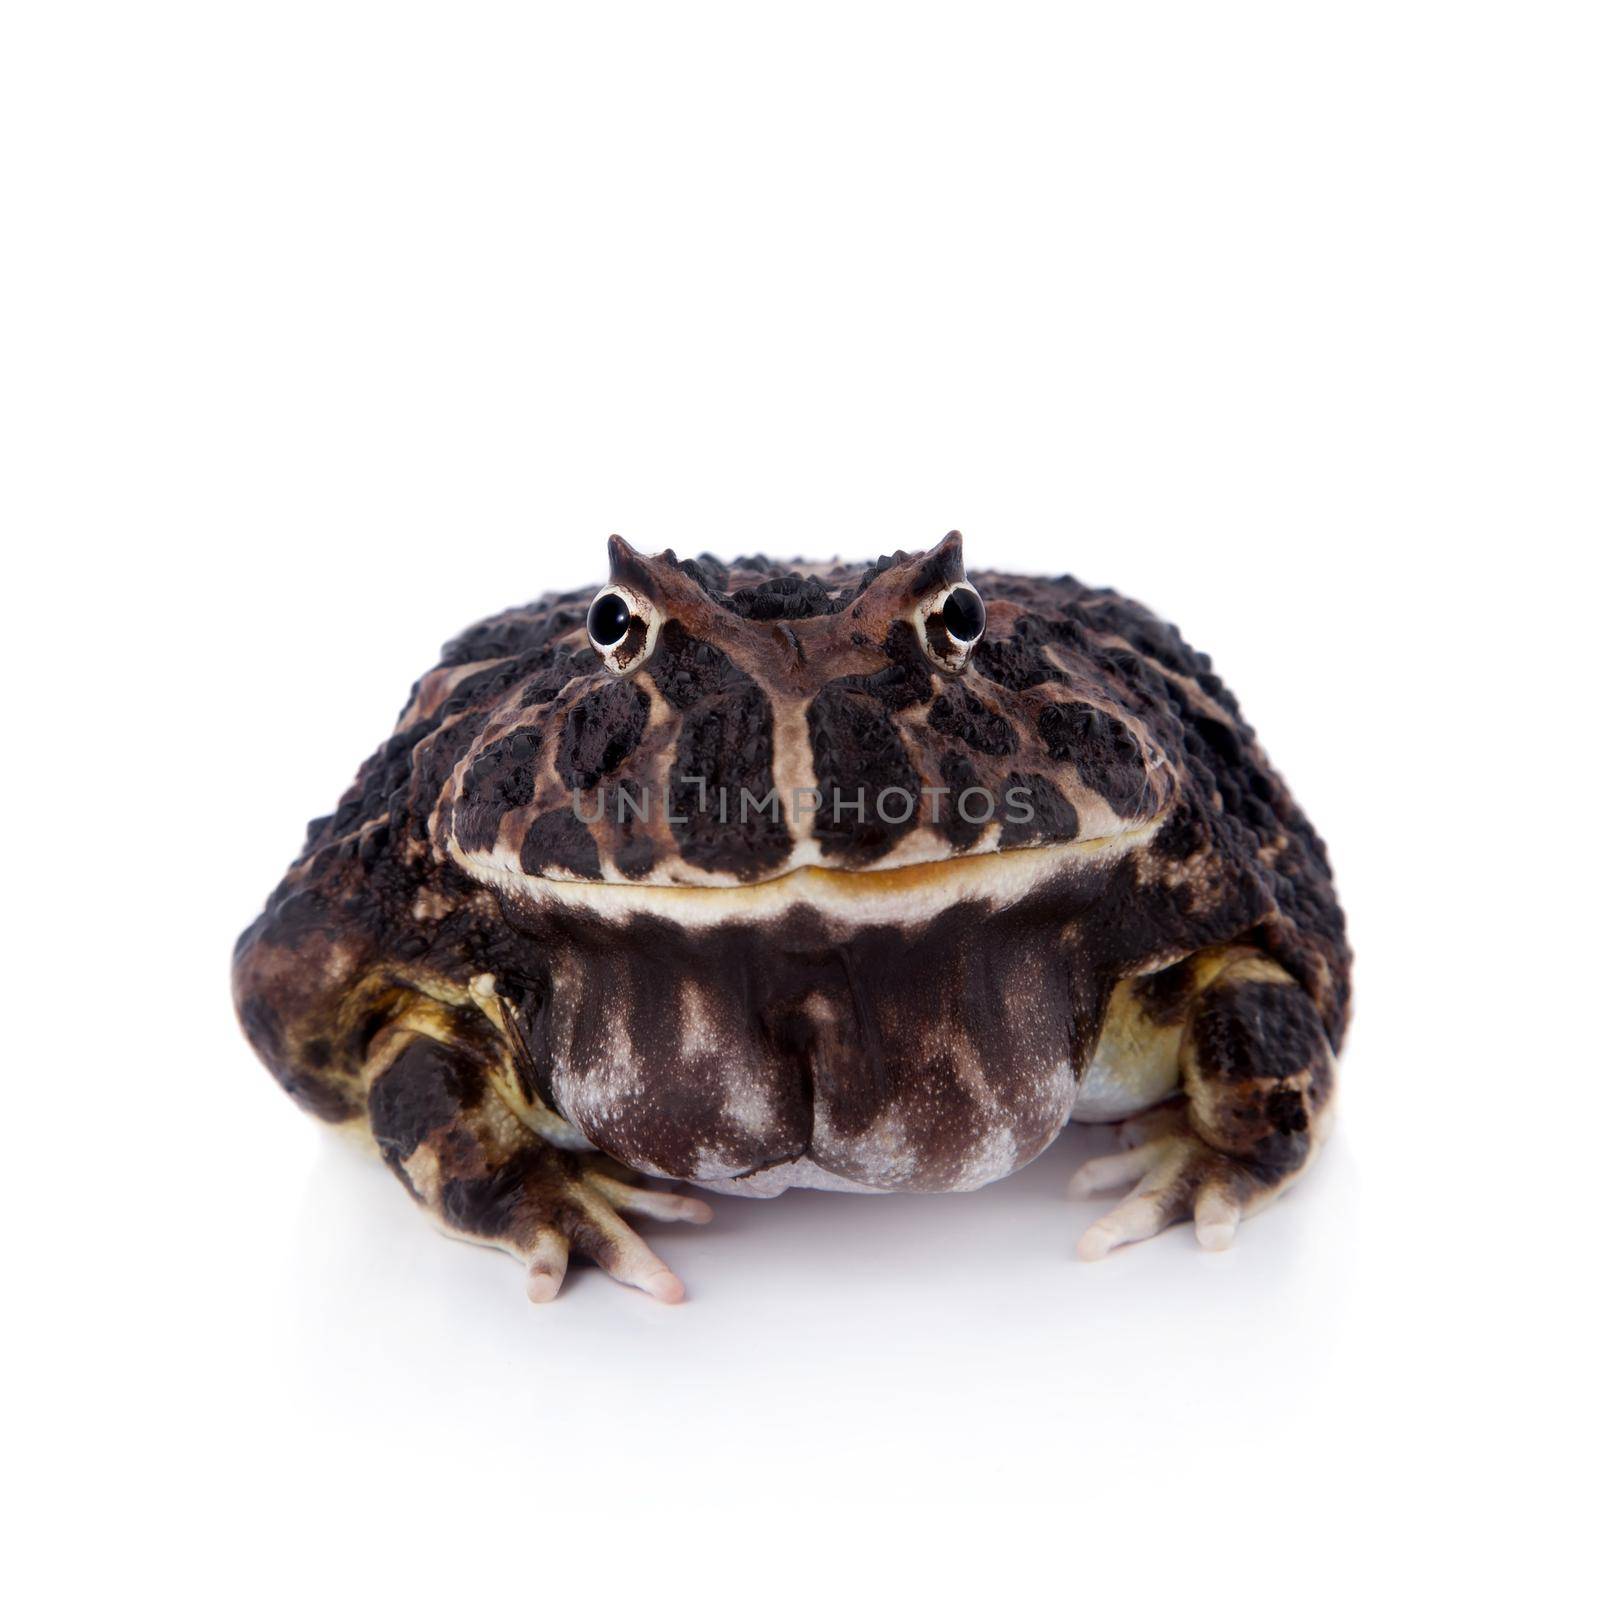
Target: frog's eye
{"points": [[963, 614], [622, 628], [950, 624]]}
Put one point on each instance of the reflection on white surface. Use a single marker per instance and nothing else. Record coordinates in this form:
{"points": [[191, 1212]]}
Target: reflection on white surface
{"points": [[818, 1314]]}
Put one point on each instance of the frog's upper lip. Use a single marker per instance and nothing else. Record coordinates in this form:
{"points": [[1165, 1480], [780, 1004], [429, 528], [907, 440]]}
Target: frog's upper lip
{"points": [[907, 891]]}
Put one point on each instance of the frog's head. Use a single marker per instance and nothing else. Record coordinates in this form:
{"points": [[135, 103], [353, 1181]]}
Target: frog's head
{"points": [[719, 726], [795, 853]]}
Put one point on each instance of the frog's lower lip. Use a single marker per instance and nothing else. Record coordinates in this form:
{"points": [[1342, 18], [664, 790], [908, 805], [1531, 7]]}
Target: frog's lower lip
{"points": [[908, 891]]}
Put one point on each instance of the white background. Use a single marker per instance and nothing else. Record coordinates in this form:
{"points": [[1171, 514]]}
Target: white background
{"points": [[330, 328]]}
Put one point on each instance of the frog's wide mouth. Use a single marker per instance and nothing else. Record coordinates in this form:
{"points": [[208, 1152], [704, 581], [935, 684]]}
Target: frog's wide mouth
{"points": [[909, 891]]}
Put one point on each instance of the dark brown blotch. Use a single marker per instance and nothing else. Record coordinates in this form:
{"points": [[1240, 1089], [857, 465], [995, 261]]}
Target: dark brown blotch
{"points": [[858, 758], [727, 817], [531, 1187], [559, 839], [687, 669], [1257, 1030], [422, 1090], [1014, 664], [502, 777], [1102, 748], [960, 714], [957, 776], [1035, 812], [600, 732]]}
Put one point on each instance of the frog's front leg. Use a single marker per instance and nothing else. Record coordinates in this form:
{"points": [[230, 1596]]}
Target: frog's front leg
{"points": [[1257, 1089], [470, 1158]]}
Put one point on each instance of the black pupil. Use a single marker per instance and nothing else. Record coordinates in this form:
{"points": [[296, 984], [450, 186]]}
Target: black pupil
{"points": [[608, 619], [963, 615]]}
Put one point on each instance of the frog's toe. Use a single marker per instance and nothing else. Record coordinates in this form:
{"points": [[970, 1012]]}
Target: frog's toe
{"points": [[609, 1242], [1216, 1216], [547, 1265], [1113, 1171], [601, 1234], [1175, 1176], [628, 1259], [629, 1198], [1151, 1207]]}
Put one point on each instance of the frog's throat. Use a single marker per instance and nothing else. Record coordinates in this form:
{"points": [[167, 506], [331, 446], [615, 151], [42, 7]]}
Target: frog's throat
{"points": [[903, 894]]}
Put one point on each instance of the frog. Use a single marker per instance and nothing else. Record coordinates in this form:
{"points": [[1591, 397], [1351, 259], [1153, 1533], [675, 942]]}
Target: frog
{"points": [[735, 877]]}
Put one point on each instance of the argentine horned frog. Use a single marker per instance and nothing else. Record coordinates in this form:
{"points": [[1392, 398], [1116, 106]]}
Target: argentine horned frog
{"points": [[760, 875]]}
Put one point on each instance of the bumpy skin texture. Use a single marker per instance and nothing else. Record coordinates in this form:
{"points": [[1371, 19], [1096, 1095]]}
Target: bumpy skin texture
{"points": [[540, 937]]}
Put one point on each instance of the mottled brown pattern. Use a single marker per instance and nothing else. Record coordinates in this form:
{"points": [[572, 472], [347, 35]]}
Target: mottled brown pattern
{"points": [[410, 975]]}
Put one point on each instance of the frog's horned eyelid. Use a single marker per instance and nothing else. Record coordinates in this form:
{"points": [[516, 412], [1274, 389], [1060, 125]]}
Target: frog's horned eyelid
{"points": [[943, 565], [628, 567]]}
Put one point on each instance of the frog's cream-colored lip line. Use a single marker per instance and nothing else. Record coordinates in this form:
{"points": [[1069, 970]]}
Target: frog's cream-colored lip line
{"points": [[911, 891]]}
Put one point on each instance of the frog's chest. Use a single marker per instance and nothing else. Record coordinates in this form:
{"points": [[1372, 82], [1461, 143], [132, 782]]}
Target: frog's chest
{"points": [[937, 1057], [1134, 1066]]}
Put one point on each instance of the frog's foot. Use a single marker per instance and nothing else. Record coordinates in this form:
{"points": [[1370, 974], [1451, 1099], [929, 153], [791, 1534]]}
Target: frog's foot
{"points": [[1258, 1086], [1175, 1174], [469, 1157], [589, 1217]]}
